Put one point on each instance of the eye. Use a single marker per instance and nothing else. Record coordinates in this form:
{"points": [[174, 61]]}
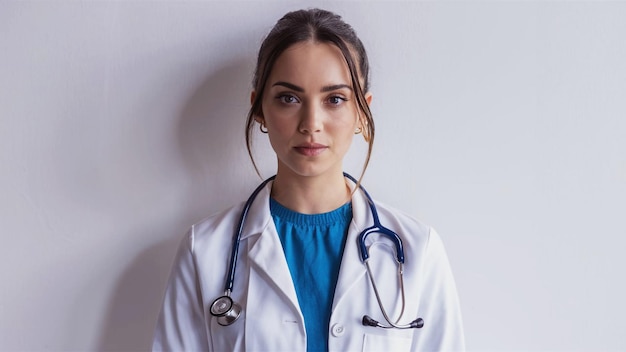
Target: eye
{"points": [[287, 99], [336, 100]]}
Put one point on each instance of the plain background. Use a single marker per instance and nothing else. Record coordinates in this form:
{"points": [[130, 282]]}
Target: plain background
{"points": [[502, 124]]}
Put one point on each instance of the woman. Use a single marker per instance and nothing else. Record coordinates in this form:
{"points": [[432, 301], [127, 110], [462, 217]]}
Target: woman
{"points": [[299, 282]]}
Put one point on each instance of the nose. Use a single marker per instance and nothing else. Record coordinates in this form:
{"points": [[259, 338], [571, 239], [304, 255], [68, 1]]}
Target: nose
{"points": [[311, 119]]}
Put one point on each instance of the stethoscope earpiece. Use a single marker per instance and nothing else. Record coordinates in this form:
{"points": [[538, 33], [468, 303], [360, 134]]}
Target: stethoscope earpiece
{"points": [[415, 324], [225, 310]]}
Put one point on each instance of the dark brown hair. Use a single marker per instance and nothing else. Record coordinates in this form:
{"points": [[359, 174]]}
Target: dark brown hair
{"points": [[319, 26]]}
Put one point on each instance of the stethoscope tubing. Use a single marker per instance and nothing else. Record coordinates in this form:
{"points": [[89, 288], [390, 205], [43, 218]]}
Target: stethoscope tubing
{"points": [[227, 311], [377, 227], [230, 279], [363, 251]]}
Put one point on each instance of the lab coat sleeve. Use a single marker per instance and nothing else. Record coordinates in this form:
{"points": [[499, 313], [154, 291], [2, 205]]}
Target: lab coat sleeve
{"points": [[443, 328], [181, 325]]}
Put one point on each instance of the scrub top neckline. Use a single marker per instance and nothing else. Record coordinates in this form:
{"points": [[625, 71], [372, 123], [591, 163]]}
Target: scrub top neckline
{"points": [[329, 218]]}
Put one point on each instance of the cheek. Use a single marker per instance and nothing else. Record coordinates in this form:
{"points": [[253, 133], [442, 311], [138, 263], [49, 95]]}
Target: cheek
{"points": [[280, 132], [343, 133], [276, 116], [346, 121], [281, 123]]}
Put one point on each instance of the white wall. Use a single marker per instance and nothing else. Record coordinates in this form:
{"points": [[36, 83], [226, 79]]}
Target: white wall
{"points": [[501, 124]]}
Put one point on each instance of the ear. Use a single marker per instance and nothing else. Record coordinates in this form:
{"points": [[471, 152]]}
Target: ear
{"points": [[368, 98], [257, 118], [362, 121]]}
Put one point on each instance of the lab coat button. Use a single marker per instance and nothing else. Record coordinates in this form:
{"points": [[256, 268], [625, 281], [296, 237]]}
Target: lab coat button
{"points": [[338, 330]]}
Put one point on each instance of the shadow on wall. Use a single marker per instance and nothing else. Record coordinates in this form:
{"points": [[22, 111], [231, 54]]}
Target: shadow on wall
{"points": [[208, 122], [134, 305], [212, 143]]}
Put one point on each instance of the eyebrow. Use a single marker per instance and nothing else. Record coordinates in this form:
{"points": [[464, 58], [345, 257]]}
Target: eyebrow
{"points": [[300, 89]]}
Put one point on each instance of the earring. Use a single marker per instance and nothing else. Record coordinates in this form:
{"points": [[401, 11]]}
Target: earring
{"points": [[262, 127], [358, 130]]}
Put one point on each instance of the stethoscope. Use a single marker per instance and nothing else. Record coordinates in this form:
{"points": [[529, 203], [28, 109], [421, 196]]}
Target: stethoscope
{"points": [[227, 311]]}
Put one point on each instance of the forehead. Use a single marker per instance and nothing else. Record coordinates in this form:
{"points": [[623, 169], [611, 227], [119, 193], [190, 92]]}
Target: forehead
{"points": [[311, 63]]}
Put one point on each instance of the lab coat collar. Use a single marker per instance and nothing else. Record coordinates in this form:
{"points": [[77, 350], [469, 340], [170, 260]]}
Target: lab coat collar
{"points": [[265, 252], [361, 214], [351, 269], [259, 214]]}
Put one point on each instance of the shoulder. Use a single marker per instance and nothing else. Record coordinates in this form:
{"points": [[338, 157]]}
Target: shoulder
{"points": [[399, 219], [215, 227], [215, 220], [220, 227], [417, 235]]}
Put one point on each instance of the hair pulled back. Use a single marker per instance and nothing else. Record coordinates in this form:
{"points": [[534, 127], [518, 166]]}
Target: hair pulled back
{"points": [[318, 26]]}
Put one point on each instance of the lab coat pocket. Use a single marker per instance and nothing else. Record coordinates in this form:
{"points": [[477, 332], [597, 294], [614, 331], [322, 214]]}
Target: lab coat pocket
{"points": [[386, 343]]}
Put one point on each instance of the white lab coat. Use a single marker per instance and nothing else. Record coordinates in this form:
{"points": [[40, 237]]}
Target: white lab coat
{"points": [[271, 319]]}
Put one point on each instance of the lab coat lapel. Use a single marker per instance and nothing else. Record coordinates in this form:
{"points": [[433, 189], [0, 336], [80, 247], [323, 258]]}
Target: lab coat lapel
{"points": [[352, 269], [266, 252]]}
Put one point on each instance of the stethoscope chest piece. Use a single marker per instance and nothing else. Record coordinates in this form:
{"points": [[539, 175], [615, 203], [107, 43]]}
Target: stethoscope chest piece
{"points": [[225, 310]]}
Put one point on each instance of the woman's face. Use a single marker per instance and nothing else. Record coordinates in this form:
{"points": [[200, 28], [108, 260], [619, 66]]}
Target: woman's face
{"points": [[309, 110]]}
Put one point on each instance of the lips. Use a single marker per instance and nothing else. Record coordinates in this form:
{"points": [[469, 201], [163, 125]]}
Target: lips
{"points": [[310, 149]]}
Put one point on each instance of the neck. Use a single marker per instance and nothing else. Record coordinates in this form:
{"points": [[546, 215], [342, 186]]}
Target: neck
{"points": [[311, 195]]}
